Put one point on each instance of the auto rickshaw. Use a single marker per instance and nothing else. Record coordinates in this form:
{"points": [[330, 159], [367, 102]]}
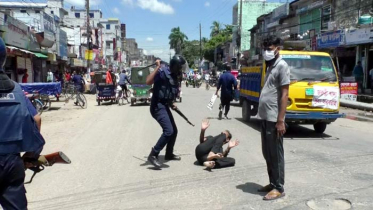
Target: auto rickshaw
{"points": [[141, 91], [105, 92]]}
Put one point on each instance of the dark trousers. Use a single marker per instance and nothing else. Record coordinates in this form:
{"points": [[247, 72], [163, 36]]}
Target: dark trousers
{"points": [[162, 114], [225, 103], [12, 177], [202, 152], [273, 152]]}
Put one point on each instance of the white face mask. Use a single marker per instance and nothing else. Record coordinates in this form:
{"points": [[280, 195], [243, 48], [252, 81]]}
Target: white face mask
{"points": [[269, 55]]}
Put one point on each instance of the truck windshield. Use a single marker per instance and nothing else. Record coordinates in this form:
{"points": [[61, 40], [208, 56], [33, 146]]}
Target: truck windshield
{"points": [[310, 68]]}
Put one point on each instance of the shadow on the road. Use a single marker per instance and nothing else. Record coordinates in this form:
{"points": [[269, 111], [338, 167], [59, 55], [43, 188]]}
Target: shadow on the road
{"points": [[298, 132], [54, 108], [236, 104], [253, 123], [251, 187], [147, 163], [294, 132], [141, 105]]}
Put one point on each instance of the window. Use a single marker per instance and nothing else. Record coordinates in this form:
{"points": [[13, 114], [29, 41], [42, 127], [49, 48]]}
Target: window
{"points": [[77, 15], [23, 11], [310, 20], [52, 12], [108, 26], [91, 15], [326, 17], [37, 11], [108, 44]]}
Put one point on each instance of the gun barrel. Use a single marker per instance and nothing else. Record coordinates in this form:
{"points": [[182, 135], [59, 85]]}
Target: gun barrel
{"points": [[57, 157]]}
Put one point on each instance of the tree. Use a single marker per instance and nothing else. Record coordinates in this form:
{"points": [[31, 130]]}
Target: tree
{"points": [[191, 51], [177, 39], [215, 28]]}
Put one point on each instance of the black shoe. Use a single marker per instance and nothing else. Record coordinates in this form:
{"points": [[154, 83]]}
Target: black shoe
{"points": [[172, 157], [226, 117], [153, 159], [220, 114]]}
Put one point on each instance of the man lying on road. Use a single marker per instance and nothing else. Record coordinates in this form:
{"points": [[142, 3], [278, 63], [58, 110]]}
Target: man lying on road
{"points": [[210, 150]]}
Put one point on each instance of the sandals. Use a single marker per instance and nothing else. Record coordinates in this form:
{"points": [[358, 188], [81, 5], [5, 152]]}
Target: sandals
{"points": [[273, 195], [209, 164]]}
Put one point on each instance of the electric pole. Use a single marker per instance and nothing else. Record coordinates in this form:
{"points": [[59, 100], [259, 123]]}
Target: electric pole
{"points": [[200, 43], [240, 31], [89, 32]]}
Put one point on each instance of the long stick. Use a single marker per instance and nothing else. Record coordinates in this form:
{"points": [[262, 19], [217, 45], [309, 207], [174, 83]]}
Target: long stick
{"points": [[183, 116]]}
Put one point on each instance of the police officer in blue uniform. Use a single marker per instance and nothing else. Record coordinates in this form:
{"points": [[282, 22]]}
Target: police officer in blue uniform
{"points": [[19, 132], [166, 79]]}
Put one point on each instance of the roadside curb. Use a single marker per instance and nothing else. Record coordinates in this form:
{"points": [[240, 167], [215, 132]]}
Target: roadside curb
{"points": [[356, 105]]}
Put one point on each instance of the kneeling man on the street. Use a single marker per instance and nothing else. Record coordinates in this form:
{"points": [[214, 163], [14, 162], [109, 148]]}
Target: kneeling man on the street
{"points": [[272, 109], [210, 150]]}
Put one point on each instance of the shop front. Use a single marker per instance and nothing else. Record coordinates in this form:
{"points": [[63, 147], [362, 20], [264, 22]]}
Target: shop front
{"points": [[362, 40]]}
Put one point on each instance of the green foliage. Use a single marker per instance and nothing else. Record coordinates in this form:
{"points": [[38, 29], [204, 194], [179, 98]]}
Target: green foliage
{"points": [[177, 39], [191, 51]]}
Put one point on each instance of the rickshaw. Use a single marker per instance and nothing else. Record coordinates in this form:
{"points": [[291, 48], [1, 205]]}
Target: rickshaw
{"points": [[105, 92], [141, 91]]}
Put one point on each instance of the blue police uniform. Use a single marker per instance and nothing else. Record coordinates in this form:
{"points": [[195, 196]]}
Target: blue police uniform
{"points": [[165, 91], [18, 133]]}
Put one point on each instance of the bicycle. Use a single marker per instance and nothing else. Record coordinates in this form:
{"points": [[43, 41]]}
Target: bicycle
{"points": [[44, 98], [121, 97], [36, 102], [73, 93]]}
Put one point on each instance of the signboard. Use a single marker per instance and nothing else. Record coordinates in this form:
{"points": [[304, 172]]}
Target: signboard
{"points": [[349, 91], [16, 33], [78, 62], [330, 39], [2, 17], [313, 5], [62, 44], [88, 55], [281, 11], [325, 97], [359, 36]]}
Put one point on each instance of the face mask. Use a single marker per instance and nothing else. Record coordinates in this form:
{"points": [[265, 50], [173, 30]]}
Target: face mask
{"points": [[269, 55]]}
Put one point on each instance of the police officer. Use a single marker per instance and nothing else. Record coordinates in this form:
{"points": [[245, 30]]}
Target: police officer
{"points": [[165, 79], [19, 132]]}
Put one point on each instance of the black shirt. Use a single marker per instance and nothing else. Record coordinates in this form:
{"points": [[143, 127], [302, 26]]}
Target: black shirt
{"points": [[212, 144]]}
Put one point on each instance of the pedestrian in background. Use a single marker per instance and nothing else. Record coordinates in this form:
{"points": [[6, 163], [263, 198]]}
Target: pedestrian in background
{"points": [[272, 108], [228, 84], [359, 75]]}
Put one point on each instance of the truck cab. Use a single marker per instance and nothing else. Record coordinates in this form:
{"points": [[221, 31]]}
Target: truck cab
{"points": [[313, 91]]}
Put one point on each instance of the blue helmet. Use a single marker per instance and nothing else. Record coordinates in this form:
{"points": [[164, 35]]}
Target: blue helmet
{"points": [[2, 54]]}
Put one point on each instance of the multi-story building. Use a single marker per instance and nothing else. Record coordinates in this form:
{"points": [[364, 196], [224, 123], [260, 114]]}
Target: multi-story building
{"points": [[251, 10]]}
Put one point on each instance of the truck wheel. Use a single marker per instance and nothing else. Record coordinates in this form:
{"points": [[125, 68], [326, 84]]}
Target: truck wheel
{"points": [[319, 127], [241, 101], [246, 111]]}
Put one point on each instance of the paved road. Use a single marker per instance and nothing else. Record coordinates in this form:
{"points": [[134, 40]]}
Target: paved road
{"points": [[108, 146]]}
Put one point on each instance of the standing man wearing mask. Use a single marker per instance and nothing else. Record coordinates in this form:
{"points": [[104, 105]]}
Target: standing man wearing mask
{"points": [[166, 81], [272, 109]]}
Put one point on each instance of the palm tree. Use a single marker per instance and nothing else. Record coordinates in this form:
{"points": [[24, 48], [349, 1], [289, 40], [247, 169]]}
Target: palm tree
{"points": [[177, 39], [215, 28]]}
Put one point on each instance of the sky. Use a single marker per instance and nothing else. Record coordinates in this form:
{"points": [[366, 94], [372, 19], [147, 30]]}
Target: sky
{"points": [[150, 21]]}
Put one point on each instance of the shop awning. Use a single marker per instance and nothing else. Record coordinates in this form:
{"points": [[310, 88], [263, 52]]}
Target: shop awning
{"points": [[39, 55]]}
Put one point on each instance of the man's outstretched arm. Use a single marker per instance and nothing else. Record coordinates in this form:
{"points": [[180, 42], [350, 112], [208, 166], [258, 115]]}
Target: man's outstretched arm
{"points": [[205, 124]]}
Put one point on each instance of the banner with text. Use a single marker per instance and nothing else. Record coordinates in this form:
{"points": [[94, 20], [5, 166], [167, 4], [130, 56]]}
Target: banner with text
{"points": [[325, 97], [349, 91]]}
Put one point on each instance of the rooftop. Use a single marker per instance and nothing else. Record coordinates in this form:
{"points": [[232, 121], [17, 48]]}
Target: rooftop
{"points": [[22, 5]]}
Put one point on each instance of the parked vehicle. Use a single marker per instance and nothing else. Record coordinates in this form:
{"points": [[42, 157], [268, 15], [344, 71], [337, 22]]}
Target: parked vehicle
{"points": [[105, 92], [141, 91], [310, 72]]}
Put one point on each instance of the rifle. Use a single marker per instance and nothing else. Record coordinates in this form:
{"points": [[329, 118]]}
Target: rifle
{"points": [[44, 160], [183, 116]]}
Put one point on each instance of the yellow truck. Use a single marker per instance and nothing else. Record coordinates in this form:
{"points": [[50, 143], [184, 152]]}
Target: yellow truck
{"points": [[313, 94]]}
